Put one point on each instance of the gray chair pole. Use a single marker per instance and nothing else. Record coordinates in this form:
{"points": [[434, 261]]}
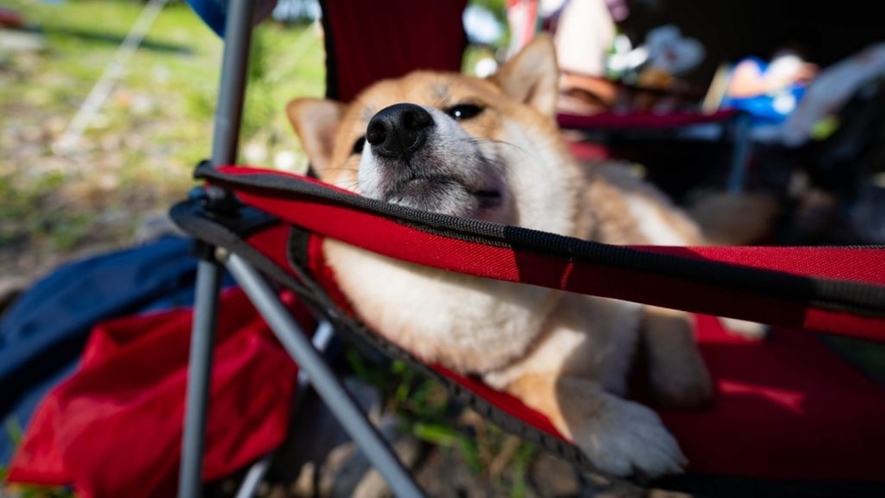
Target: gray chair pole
{"points": [[323, 379], [743, 144], [238, 33], [228, 115]]}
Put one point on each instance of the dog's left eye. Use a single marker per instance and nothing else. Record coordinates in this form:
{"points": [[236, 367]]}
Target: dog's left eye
{"points": [[463, 111]]}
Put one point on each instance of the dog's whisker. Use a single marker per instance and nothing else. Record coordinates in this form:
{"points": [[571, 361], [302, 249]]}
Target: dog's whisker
{"points": [[481, 141], [509, 144]]}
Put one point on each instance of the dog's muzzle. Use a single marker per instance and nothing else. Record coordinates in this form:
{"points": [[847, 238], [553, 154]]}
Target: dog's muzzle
{"points": [[396, 132]]}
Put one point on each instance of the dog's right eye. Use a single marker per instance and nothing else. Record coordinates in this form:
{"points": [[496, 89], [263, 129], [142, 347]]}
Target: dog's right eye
{"points": [[461, 112], [358, 145]]}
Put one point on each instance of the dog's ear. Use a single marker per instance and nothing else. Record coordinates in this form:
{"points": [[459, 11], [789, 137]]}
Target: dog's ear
{"points": [[532, 75], [315, 122]]}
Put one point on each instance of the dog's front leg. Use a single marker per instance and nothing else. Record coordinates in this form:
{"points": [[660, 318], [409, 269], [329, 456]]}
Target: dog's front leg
{"points": [[619, 437], [678, 377]]}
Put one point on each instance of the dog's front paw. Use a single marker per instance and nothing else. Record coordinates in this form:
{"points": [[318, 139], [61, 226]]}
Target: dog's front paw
{"points": [[623, 438]]}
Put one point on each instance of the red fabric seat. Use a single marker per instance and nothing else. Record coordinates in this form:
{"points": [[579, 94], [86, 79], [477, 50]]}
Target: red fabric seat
{"points": [[787, 408]]}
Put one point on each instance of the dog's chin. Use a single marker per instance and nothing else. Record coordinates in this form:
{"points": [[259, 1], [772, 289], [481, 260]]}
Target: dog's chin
{"points": [[446, 196]]}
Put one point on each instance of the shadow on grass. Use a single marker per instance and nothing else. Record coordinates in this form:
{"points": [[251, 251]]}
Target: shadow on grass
{"points": [[112, 39]]}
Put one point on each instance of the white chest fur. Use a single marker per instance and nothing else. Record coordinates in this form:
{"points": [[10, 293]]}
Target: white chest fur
{"points": [[467, 323]]}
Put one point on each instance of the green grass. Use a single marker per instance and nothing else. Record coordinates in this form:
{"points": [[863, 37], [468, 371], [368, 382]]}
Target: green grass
{"points": [[14, 430], [138, 153], [178, 65], [427, 411]]}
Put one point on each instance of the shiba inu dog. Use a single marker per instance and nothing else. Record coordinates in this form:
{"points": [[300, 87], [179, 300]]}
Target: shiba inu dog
{"points": [[490, 149]]}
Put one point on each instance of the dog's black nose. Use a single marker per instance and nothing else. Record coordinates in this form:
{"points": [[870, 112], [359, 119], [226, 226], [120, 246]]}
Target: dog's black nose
{"points": [[397, 131]]}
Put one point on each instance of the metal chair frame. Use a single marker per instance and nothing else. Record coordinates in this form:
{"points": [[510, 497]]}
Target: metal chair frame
{"points": [[228, 117]]}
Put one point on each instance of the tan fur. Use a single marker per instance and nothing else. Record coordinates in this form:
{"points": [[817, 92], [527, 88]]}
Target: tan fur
{"points": [[735, 218], [677, 377], [566, 355]]}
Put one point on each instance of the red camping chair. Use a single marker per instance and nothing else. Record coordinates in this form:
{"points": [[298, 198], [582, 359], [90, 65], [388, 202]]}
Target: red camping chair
{"points": [[676, 155], [791, 417], [692, 144]]}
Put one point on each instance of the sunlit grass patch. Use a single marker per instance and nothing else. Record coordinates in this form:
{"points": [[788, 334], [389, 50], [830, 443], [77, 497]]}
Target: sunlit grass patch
{"points": [[137, 153]]}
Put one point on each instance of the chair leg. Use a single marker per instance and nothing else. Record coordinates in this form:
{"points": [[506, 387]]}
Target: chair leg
{"points": [[323, 379], [228, 116], [254, 476], [321, 339], [199, 372], [740, 157]]}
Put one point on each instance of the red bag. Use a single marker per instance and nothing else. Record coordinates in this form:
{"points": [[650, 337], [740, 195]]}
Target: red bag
{"points": [[114, 428]]}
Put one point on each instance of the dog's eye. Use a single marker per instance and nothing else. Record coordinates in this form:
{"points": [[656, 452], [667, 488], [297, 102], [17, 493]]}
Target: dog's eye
{"points": [[463, 111], [358, 145]]}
